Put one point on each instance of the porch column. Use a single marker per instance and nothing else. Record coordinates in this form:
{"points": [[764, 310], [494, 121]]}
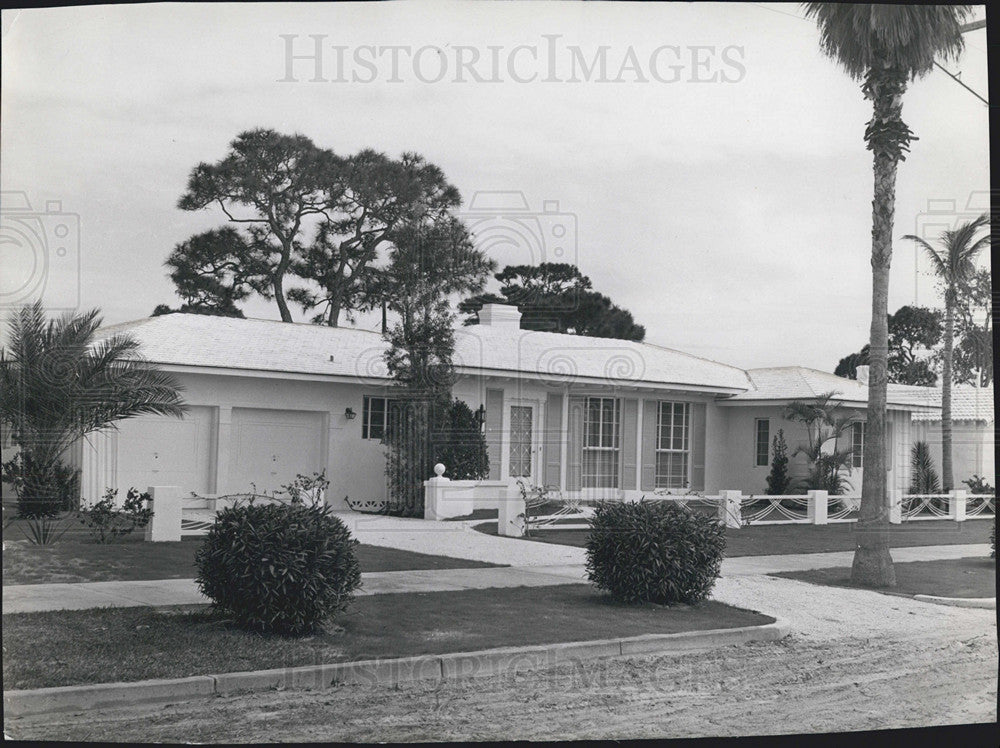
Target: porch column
{"points": [[564, 440], [223, 447], [638, 446]]}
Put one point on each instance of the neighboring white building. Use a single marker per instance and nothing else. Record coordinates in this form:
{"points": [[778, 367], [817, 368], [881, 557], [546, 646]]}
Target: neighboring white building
{"points": [[597, 416], [973, 435]]}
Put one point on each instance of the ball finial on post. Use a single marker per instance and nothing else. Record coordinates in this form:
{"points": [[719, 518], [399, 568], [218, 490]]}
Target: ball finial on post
{"points": [[439, 470]]}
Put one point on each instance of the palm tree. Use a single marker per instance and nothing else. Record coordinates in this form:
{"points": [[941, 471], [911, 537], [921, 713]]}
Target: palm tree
{"points": [[825, 421], [953, 264], [57, 384], [884, 46]]}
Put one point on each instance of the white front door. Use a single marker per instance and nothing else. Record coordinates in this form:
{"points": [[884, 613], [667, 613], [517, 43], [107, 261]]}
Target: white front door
{"points": [[522, 450]]}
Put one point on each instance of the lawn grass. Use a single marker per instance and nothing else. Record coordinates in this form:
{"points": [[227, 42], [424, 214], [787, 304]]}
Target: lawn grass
{"points": [[958, 577], [74, 559], [549, 507], [767, 540], [60, 648]]}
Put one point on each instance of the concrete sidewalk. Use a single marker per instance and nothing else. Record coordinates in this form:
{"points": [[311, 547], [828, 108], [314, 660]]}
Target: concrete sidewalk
{"points": [[31, 598]]}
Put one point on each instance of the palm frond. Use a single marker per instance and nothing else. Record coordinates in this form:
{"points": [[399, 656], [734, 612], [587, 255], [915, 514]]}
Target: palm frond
{"points": [[904, 37]]}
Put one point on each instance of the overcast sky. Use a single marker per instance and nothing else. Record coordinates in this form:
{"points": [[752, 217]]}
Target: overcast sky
{"points": [[716, 173]]}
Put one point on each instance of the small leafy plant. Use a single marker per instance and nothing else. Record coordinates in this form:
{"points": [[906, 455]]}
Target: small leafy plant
{"points": [[654, 551], [307, 489], [278, 568], [534, 497], [107, 522], [979, 486]]}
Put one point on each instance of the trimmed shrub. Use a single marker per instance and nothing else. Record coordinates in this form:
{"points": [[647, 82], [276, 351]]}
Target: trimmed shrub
{"points": [[655, 552], [459, 443], [278, 568]]}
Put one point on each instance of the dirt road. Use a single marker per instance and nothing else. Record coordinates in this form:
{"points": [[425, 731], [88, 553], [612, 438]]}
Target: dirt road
{"points": [[856, 662]]}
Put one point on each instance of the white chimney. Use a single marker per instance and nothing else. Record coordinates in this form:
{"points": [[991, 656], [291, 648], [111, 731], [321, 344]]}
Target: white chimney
{"points": [[862, 374], [500, 315]]}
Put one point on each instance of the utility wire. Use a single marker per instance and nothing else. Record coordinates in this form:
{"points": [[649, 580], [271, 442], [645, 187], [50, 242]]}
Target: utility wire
{"points": [[959, 82]]}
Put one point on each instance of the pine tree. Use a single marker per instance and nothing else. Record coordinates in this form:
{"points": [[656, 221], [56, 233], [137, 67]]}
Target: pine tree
{"points": [[777, 479]]}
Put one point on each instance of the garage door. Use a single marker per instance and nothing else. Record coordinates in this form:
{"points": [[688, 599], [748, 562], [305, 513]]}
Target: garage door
{"points": [[271, 446], [161, 451]]}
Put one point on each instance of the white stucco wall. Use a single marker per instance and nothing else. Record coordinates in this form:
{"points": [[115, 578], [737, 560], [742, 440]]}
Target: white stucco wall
{"points": [[354, 466], [737, 469], [973, 448]]}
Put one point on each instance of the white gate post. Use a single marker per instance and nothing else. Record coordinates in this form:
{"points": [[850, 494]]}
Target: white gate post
{"points": [[729, 508], [956, 504], [510, 513], [434, 489], [165, 524], [895, 497], [817, 507]]}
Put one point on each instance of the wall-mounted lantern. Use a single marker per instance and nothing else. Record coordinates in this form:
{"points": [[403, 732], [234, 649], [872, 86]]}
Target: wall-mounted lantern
{"points": [[349, 414], [481, 416]]}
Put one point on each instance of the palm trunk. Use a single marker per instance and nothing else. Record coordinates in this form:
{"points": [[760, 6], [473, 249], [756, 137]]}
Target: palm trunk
{"points": [[947, 471], [872, 565]]}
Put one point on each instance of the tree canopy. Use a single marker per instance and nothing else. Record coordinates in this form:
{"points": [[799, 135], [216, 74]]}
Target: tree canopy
{"points": [[296, 210], [914, 332], [557, 297]]}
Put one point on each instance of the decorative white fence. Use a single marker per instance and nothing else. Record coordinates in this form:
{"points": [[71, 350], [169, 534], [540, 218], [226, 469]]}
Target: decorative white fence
{"points": [[819, 508]]}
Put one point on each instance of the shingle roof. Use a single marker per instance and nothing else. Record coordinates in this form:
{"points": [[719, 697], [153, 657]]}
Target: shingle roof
{"points": [[967, 404], [266, 345], [800, 383]]}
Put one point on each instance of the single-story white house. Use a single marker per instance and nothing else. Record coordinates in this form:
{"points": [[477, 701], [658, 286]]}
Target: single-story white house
{"points": [[597, 417]]}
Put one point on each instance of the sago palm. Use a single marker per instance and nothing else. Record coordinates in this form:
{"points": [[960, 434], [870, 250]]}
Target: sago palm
{"points": [[954, 264], [924, 479], [57, 385], [884, 47]]}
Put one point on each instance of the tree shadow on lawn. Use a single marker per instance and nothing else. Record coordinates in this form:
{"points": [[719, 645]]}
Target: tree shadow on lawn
{"points": [[768, 540], [77, 559], [128, 644], [957, 577]]}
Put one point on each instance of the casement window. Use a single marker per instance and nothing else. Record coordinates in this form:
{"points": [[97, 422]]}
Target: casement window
{"points": [[600, 443], [374, 417], [858, 443], [859, 430], [762, 442], [673, 439]]}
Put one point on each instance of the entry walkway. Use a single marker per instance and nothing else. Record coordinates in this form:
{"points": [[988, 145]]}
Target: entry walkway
{"points": [[40, 597]]}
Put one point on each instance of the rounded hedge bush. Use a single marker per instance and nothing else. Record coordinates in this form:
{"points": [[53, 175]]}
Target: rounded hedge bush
{"points": [[278, 568], [654, 551]]}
